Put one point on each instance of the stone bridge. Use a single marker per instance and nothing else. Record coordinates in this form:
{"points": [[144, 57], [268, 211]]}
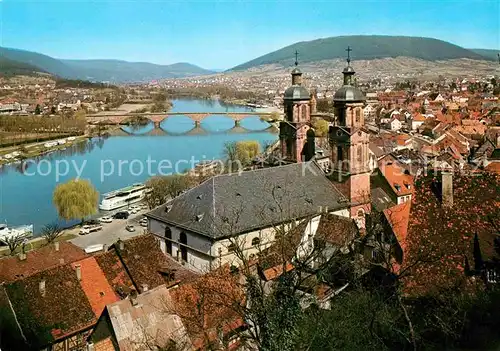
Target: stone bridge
{"points": [[197, 130], [157, 118]]}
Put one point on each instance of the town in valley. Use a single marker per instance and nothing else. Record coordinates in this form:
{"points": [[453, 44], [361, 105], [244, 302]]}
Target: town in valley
{"points": [[335, 194]]}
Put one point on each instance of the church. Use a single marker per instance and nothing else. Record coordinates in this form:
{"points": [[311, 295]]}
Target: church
{"points": [[231, 215]]}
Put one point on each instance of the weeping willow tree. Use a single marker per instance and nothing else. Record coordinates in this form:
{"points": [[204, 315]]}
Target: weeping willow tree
{"points": [[75, 199]]}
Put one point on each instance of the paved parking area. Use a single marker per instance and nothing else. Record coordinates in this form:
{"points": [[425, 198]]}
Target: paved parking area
{"points": [[110, 232]]}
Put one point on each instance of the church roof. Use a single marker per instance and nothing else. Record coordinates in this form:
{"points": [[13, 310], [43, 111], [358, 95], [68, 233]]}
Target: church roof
{"points": [[297, 92], [348, 93], [230, 204]]}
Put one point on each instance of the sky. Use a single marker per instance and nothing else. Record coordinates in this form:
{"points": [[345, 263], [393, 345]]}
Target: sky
{"points": [[222, 34]]}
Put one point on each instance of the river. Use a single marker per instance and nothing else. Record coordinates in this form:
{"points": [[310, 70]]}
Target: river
{"points": [[118, 161]]}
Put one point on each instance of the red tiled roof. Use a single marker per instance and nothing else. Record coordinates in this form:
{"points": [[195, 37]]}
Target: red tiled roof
{"points": [[141, 262], [439, 239], [394, 173], [210, 303], [12, 268], [62, 311], [398, 217], [419, 118], [276, 271], [493, 167], [94, 284]]}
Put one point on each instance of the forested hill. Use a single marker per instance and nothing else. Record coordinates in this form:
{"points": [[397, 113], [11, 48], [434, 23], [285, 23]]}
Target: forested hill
{"points": [[365, 47], [114, 71], [12, 68]]}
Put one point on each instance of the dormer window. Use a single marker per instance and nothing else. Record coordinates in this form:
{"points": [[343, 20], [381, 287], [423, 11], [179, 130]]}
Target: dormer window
{"points": [[199, 197], [397, 187], [168, 208], [199, 217]]}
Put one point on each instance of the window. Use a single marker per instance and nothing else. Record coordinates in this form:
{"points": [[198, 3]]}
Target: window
{"points": [[183, 242], [358, 115], [168, 240], [255, 241], [304, 113], [361, 213], [359, 155], [491, 276], [340, 153]]}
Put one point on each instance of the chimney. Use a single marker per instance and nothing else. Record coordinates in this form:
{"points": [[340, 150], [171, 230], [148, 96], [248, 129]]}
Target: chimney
{"points": [[56, 245], [41, 286], [145, 287], [447, 189], [22, 256], [105, 247], [133, 297], [121, 244], [78, 270]]}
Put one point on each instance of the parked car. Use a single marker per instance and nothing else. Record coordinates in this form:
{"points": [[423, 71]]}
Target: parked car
{"points": [[105, 219], [130, 228], [133, 211], [143, 222], [92, 222], [121, 215], [87, 229]]}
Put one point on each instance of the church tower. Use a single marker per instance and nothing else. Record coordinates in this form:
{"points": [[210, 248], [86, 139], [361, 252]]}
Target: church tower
{"points": [[294, 129], [349, 141]]}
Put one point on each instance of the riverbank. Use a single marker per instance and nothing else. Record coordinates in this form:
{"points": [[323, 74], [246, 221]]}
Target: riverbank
{"points": [[16, 154]]}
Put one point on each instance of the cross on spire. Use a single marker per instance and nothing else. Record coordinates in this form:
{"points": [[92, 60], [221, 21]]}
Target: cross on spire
{"points": [[348, 54], [296, 58]]}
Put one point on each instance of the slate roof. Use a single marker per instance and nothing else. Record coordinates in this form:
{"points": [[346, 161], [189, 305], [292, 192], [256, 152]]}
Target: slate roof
{"points": [[11, 268], [296, 92], [236, 203], [348, 93]]}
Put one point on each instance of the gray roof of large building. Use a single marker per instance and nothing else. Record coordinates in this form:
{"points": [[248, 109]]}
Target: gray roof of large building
{"points": [[348, 93], [231, 204], [297, 92]]}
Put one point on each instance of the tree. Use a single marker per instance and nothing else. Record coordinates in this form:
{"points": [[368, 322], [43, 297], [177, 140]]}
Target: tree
{"points": [[247, 150], [163, 188], [75, 199], [240, 154], [51, 232], [323, 105], [37, 109], [321, 127], [14, 241]]}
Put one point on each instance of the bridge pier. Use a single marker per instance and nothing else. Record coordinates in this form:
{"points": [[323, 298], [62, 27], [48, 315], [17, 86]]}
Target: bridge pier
{"points": [[157, 124], [197, 124], [237, 122]]}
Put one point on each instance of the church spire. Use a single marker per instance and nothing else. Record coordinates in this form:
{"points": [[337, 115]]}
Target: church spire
{"points": [[296, 73], [348, 72]]}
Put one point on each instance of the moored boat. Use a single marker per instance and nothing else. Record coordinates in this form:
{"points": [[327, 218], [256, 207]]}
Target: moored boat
{"points": [[25, 231], [123, 197]]}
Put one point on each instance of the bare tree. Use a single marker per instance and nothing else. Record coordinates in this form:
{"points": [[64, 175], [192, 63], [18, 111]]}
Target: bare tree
{"points": [[15, 241], [51, 232]]}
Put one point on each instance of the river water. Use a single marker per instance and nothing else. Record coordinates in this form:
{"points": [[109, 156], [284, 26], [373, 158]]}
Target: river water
{"points": [[118, 161]]}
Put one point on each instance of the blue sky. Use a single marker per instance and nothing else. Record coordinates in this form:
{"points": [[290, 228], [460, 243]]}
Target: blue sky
{"points": [[222, 34]]}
